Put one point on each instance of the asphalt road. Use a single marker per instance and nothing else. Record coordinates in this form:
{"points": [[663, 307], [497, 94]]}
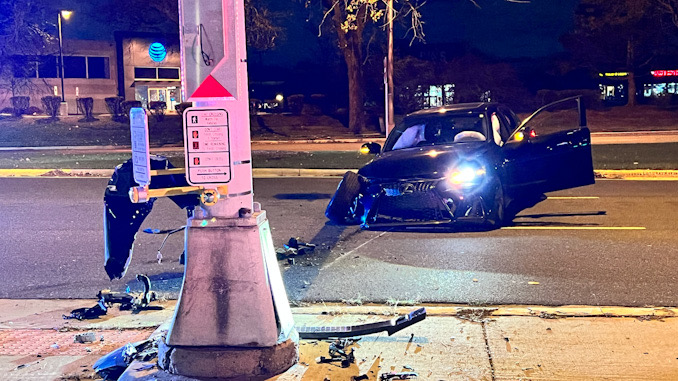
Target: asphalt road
{"points": [[612, 243]]}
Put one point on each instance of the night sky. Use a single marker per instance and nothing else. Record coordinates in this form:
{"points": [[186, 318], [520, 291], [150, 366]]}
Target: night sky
{"points": [[498, 28]]}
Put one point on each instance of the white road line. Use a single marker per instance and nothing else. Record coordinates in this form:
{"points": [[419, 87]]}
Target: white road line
{"points": [[574, 228], [572, 198], [346, 255]]}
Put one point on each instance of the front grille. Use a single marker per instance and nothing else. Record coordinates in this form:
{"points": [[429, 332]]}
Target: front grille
{"points": [[419, 205], [405, 187]]}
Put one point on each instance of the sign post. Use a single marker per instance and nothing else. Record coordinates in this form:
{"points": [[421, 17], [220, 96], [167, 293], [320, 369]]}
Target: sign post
{"points": [[233, 319], [141, 158]]}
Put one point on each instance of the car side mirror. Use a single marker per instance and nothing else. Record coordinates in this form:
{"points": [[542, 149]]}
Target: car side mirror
{"points": [[370, 148], [524, 135]]}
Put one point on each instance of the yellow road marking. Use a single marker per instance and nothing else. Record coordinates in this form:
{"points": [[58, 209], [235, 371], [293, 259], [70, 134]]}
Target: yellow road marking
{"points": [[574, 228], [572, 198]]}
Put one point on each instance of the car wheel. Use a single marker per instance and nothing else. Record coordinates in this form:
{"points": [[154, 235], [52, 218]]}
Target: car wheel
{"points": [[496, 215], [345, 206]]}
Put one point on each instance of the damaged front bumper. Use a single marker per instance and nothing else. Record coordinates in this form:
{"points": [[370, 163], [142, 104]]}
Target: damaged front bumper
{"points": [[422, 202]]}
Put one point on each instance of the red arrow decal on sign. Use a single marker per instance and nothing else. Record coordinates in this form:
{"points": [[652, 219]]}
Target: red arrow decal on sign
{"points": [[211, 88]]}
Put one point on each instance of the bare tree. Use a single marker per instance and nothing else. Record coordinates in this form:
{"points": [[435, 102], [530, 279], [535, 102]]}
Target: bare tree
{"points": [[262, 33], [24, 32], [619, 34], [669, 7], [350, 19]]}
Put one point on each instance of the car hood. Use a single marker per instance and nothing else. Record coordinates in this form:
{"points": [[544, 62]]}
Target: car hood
{"points": [[424, 162]]}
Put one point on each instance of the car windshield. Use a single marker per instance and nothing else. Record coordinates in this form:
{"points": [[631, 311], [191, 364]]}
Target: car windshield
{"points": [[437, 129]]}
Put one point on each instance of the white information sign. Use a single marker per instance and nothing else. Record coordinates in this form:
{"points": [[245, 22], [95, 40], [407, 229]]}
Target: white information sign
{"points": [[207, 146], [141, 158]]}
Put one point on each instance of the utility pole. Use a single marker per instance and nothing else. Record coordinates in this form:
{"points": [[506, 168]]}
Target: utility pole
{"points": [[388, 88], [233, 318]]}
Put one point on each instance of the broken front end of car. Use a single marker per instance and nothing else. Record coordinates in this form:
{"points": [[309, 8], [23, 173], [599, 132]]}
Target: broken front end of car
{"points": [[465, 195]]}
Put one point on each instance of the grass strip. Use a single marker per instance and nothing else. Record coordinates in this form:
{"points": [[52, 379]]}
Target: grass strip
{"points": [[614, 156]]}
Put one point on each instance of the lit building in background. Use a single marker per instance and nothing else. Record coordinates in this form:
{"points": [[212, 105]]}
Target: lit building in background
{"points": [[143, 67], [149, 68], [651, 86]]}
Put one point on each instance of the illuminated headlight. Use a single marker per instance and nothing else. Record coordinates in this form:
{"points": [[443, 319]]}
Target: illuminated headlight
{"points": [[466, 175]]}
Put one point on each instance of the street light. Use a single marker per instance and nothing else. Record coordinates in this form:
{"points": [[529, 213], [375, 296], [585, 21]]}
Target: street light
{"points": [[65, 15]]}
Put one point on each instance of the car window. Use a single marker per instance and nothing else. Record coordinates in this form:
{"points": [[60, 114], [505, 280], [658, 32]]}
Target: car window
{"points": [[555, 118], [437, 129], [411, 137]]}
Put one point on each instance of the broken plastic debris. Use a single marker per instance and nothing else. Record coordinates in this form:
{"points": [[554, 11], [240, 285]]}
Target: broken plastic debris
{"points": [[398, 376], [88, 337], [390, 326], [112, 365], [54, 346], [87, 313], [294, 247], [125, 300], [532, 282], [475, 280]]}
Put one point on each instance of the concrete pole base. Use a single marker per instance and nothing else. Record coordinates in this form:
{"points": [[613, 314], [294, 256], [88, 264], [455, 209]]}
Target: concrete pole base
{"points": [[229, 362]]}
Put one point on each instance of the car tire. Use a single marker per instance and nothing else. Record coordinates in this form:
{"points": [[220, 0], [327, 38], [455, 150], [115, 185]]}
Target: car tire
{"points": [[496, 217], [345, 206]]}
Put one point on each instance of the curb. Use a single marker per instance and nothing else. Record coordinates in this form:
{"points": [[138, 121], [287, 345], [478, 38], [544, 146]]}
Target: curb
{"points": [[262, 173], [462, 311], [637, 174], [34, 307]]}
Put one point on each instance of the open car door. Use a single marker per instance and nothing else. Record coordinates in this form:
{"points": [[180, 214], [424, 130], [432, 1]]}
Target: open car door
{"points": [[551, 149]]}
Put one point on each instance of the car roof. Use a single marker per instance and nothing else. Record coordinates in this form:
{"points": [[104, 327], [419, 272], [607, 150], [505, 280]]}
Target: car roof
{"points": [[470, 107]]}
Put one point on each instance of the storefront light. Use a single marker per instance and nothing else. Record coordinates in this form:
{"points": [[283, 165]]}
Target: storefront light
{"points": [[157, 52]]}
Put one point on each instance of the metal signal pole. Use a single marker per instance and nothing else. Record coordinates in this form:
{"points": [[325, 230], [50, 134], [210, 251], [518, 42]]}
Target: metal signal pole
{"points": [[389, 122]]}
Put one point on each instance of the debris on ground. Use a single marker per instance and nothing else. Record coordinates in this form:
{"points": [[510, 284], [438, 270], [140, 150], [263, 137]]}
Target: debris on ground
{"points": [[167, 233], [125, 300], [112, 365], [338, 353], [390, 326], [294, 247], [83, 338], [88, 312], [477, 315], [398, 376]]}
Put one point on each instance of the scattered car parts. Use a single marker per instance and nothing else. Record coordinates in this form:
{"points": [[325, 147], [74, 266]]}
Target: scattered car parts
{"points": [[112, 365], [398, 376], [294, 248], [338, 353], [126, 301], [390, 326]]}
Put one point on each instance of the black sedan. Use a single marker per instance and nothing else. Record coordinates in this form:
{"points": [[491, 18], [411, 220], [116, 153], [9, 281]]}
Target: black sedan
{"points": [[467, 163]]}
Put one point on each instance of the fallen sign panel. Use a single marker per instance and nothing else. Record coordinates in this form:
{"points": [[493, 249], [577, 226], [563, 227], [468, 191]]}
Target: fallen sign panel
{"points": [[390, 326]]}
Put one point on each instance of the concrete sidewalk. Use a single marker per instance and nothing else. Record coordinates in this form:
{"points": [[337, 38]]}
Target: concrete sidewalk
{"points": [[455, 342]]}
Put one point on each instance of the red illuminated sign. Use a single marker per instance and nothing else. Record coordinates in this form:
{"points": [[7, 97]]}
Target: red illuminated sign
{"points": [[664, 73]]}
